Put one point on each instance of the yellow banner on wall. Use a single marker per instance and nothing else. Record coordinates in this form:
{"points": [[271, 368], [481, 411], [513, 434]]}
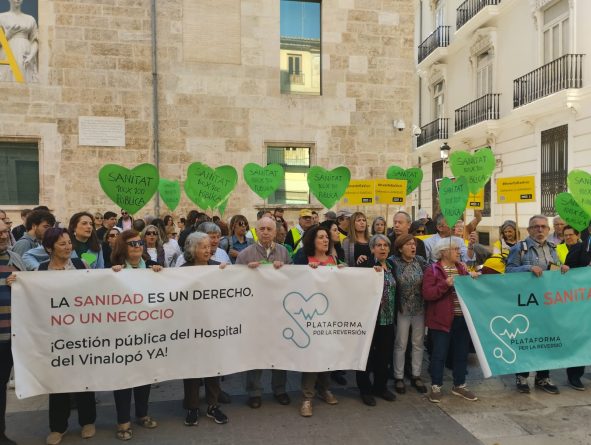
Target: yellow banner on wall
{"points": [[391, 191], [516, 189], [360, 192], [476, 201]]}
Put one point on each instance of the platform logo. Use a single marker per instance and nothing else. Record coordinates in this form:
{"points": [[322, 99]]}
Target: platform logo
{"points": [[507, 330], [302, 309]]}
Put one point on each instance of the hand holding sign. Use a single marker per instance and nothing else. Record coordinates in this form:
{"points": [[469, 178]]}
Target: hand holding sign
{"points": [[263, 180], [170, 192], [476, 168], [413, 176], [209, 188], [571, 212], [579, 184], [453, 197], [328, 186], [129, 189]]}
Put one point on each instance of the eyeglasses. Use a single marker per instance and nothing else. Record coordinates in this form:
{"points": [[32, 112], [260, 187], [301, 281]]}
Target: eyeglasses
{"points": [[124, 213], [539, 227], [151, 234], [420, 231], [242, 223], [137, 243], [112, 235]]}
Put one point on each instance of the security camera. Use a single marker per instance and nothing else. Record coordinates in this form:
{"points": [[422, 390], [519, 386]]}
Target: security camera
{"points": [[416, 130], [400, 125]]}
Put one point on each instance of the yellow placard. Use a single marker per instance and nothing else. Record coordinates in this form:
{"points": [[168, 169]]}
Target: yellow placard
{"points": [[476, 201], [360, 192], [516, 189], [391, 191]]}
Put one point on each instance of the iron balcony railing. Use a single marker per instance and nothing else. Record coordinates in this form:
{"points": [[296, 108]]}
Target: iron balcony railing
{"points": [[438, 38], [560, 74], [482, 109], [469, 9], [296, 79], [433, 131]]}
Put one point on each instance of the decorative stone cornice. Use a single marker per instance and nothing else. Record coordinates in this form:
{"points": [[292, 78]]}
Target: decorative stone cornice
{"points": [[437, 73], [483, 38]]}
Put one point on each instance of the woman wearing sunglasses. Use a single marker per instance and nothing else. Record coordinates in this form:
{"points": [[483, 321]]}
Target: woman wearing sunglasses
{"points": [[127, 254], [108, 244], [153, 246], [237, 240]]}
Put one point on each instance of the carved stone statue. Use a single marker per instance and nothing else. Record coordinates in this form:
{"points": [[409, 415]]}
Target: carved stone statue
{"points": [[21, 32]]}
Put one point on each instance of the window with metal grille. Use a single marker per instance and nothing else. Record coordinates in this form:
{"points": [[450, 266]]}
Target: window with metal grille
{"points": [[19, 173], [436, 174], [295, 160], [554, 166]]}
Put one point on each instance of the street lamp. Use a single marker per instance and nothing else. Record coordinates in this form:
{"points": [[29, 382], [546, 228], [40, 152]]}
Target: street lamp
{"points": [[444, 152]]}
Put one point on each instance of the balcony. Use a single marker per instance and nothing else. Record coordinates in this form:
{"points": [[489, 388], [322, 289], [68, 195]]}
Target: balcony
{"points": [[470, 8], [482, 109], [296, 79], [437, 39], [560, 74], [433, 131]]}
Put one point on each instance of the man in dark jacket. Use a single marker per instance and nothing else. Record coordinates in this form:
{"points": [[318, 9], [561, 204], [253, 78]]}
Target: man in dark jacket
{"points": [[579, 255], [9, 262]]}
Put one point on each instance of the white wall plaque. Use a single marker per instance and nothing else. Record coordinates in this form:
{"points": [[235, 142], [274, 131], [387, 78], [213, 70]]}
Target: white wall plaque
{"points": [[101, 131]]}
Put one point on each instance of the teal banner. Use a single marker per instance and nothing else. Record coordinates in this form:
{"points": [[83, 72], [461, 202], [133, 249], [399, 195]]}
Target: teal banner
{"points": [[521, 323]]}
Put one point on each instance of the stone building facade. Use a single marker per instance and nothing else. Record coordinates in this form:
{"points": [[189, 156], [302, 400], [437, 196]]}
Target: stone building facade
{"points": [[219, 92]]}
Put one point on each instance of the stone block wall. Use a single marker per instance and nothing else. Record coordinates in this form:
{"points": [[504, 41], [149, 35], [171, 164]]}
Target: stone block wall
{"points": [[95, 60]]}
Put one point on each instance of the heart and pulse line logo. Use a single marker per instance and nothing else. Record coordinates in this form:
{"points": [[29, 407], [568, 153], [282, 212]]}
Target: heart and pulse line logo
{"points": [[302, 309], [506, 330]]}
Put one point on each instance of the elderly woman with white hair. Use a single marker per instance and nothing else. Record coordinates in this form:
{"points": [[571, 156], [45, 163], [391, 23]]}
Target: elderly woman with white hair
{"points": [[445, 320], [198, 253]]}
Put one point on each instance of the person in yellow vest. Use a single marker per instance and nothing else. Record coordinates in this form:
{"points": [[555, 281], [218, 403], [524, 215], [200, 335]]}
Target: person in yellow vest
{"points": [[295, 234], [343, 218], [571, 238]]}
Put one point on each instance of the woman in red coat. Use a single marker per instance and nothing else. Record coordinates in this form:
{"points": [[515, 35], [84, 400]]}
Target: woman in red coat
{"points": [[445, 320]]}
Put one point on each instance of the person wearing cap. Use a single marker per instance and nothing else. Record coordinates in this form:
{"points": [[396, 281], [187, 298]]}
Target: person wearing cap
{"points": [[295, 234], [343, 219], [330, 216]]}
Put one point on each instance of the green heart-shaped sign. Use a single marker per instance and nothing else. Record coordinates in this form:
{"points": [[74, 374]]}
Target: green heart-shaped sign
{"points": [[129, 189], [579, 184], [209, 188], [263, 180], [222, 207], [413, 176], [453, 197], [571, 212], [476, 168], [170, 192], [88, 258], [328, 186]]}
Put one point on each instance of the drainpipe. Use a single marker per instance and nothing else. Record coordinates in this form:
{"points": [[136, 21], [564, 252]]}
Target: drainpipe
{"points": [[155, 128], [420, 111]]}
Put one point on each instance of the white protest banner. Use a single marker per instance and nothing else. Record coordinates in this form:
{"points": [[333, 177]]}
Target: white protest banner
{"points": [[100, 330]]}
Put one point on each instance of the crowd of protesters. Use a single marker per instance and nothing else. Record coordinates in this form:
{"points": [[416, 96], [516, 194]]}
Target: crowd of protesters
{"points": [[419, 307]]}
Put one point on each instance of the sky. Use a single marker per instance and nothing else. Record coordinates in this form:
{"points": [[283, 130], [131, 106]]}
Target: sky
{"points": [[300, 19], [28, 7]]}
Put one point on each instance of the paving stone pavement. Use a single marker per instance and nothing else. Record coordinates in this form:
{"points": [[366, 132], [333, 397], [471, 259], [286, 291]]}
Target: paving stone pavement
{"points": [[500, 417]]}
